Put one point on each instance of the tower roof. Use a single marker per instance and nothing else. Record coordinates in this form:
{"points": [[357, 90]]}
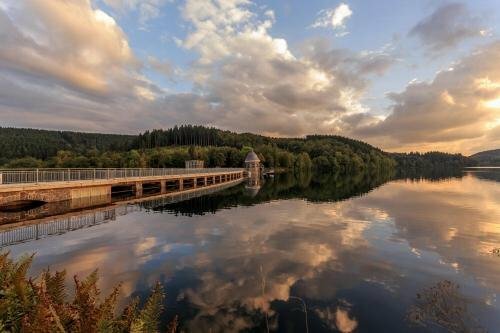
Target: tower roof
{"points": [[252, 157]]}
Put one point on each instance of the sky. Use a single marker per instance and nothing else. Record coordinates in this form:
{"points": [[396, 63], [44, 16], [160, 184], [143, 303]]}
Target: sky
{"points": [[412, 75]]}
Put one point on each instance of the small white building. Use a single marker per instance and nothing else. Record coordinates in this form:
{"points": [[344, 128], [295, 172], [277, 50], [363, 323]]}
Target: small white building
{"points": [[195, 164]]}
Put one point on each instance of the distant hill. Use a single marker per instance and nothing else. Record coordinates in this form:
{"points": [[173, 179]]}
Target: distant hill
{"points": [[487, 158]]}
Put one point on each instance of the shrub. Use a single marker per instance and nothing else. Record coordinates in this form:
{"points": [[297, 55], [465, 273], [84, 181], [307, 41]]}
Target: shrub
{"points": [[42, 304]]}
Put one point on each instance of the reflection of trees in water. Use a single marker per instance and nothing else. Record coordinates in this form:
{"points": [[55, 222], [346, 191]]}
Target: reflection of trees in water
{"points": [[432, 174], [486, 174], [304, 185], [436, 174], [311, 187], [444, 306], [324, 188]]}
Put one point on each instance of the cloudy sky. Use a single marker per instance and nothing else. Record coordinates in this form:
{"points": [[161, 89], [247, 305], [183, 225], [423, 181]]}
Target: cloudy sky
{"points": [[402, 75]]}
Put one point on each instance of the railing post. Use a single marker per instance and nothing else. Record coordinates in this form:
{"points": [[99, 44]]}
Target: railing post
{"points": [[37, 175], [1, 178]]}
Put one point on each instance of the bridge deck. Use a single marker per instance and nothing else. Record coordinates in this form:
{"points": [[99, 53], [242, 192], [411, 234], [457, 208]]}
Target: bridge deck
{"points": [[112, 181], [51, 185]]}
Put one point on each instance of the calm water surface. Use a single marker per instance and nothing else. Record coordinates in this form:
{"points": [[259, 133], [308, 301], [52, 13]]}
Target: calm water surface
{"points": [[355, 250]]}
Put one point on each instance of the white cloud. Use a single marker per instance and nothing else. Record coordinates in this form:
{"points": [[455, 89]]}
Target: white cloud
{"points": [[147, 9], [69, 42], [334, 18], [74, 62], [259, 83]]}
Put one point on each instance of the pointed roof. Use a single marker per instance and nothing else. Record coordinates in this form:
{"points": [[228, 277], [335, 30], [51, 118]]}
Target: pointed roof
{"points": [[252, 157]]}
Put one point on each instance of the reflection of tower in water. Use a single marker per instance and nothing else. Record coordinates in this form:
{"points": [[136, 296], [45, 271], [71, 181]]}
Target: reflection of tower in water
{"points": [[252, 185], [253, 169]]}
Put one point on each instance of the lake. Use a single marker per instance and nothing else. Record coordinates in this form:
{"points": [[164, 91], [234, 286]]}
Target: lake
{"points": [[354, 252]]}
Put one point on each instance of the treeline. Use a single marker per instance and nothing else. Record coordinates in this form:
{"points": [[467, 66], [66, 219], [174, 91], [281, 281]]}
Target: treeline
{"points": [[30, 148], [167, 157], [171, 147], [431, 160], [327, 153], [192, 135], [319, 156], [43, 144]]}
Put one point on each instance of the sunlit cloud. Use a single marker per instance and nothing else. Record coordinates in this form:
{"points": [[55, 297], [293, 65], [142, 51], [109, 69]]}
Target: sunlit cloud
{"points": [[457, 107], [494, 103], [334, 18]]}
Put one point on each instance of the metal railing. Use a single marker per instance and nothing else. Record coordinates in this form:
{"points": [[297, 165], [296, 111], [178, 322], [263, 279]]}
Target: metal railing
{"points": [[23, 176], [56, 227]]}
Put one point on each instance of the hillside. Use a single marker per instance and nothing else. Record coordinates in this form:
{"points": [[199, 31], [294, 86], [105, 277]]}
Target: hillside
{"points": [[42, 144], [171, 147], [487, 158], [30, 148]]}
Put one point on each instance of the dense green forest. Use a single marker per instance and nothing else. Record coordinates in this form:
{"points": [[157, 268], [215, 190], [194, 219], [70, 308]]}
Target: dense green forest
{"points": [[431, 160], [43, 144], [29, 148]]}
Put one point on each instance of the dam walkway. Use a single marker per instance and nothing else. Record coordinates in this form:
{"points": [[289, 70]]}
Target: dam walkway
{"points": [[18, 187]]}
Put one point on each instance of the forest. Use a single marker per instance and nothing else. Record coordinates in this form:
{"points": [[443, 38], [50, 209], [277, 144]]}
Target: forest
{"points": [[431, 160], [43, 144], [30, 148]]}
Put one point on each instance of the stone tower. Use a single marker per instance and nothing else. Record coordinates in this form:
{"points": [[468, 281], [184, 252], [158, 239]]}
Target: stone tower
{"points": [[252, 164]]}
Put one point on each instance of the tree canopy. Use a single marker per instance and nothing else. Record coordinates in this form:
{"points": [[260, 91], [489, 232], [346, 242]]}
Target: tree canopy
{"points": [[31, 148]]}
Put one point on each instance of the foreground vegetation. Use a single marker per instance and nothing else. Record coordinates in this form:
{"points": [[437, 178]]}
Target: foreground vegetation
{"points": [[26, 148], [42, 304]]}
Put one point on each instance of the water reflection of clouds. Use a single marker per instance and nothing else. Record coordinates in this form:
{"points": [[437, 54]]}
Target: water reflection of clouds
{"points": [[246, 258], [337, 319], [457, 219]]}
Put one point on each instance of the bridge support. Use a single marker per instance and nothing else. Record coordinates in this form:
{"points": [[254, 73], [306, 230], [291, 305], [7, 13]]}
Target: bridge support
{"points": [[138, 189]]}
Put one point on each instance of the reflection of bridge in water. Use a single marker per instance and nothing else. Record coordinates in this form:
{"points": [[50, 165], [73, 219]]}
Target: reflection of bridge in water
{"points": [[11, 234]]}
